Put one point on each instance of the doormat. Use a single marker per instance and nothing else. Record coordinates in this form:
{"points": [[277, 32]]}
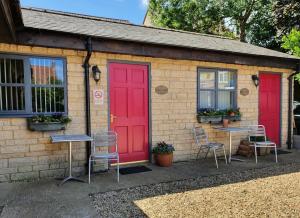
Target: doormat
{"points": [[1, 209], [132, 170], [279, 152]]}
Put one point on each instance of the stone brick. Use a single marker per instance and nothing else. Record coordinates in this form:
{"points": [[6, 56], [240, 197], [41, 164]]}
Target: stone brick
{"points": [[52, 173], [4, 178], [23, 161], [14, 149], [24, 169], [24, 176]]}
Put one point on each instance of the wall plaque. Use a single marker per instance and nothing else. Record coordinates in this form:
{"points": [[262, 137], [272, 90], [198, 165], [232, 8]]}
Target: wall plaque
{"points": [[161, 90], [244, 92]]}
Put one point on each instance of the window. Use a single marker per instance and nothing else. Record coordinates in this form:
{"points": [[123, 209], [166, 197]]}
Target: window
{"points": [[32, 85], [216, 89]]}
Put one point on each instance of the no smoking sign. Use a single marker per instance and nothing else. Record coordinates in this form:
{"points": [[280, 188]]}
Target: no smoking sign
{"points": [[98, 97]]}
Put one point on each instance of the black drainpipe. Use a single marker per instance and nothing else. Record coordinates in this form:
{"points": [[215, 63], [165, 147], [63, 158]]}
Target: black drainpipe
{"points": [[86, 66], [290, 109]]}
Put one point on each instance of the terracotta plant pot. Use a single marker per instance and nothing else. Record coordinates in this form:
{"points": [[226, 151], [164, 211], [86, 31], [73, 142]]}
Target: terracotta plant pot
{"points": [[164, 160], [232, 114], [225, 123]]}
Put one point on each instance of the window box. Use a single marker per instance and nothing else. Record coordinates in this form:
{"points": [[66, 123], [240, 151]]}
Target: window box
{"points": [[48, 123], [233, 118], [209, 119], [43, 127]]}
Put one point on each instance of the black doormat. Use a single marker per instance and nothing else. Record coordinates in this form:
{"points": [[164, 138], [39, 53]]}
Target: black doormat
{"points": [[1, 209], [279, 152], [132, 170]]}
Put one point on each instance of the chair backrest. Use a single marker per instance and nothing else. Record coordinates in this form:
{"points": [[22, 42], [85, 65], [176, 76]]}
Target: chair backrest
{"points": [[200, 135], [257, 132], [105, 139]]}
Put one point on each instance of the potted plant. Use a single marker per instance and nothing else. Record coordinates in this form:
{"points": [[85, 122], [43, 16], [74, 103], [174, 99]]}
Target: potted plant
{"points": [[233, 114], [163, 154], [209, 116], [48, 123]]}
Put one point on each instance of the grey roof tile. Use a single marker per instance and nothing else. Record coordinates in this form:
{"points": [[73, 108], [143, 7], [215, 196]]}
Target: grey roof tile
{"points": [[122, 30]]}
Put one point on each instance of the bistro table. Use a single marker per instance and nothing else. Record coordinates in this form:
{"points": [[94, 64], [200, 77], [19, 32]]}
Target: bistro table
{"points": [[70, 139], [231, 130]]}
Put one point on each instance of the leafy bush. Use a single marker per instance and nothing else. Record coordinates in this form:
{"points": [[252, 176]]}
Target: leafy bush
{"points": [[163, 148], [59, 118]]}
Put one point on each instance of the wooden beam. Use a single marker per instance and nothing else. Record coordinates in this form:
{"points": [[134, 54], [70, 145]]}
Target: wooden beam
{"points": [[63, 40], [8, 30]]}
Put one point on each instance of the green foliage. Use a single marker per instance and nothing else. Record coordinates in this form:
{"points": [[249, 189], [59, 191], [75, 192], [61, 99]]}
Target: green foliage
{"points": [[211, 112], [190, 15], [286, 15], [50, 119], [163, 148], [291, 42], [249, 19]]}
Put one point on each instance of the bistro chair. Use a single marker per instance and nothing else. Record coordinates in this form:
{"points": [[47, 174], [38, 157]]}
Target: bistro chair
{"points": [[104, 140], [201, 140], [256, 132]]}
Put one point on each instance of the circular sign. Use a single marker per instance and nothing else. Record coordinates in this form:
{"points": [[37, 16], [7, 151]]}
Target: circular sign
{"points": [[244, 92], [161, 90]]}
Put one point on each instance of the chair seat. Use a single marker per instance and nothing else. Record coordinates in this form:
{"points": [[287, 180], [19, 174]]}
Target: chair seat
{"points": [[264, 144], [105, 156], [213, 145]]}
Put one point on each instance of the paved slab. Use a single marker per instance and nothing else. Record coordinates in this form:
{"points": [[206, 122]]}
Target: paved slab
{"points": [[46, 199]]}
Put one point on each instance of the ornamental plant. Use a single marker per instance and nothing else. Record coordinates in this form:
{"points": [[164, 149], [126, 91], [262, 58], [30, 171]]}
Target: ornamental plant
{"points": [[55, 118], [211, 112], [163, 148]]}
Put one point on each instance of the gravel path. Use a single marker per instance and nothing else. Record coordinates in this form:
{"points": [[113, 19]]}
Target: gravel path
{"points": [[252, 193]]}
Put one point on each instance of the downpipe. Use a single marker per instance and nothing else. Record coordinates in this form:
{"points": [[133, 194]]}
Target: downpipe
{"points": [[86, 67]]}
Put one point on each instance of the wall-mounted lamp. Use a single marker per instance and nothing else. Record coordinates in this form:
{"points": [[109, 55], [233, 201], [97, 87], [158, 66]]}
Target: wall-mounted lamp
{"points": [[255, 80], [96, 73]]}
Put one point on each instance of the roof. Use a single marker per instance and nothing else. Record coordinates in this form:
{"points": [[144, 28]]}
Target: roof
{"points": [[122, 30]]}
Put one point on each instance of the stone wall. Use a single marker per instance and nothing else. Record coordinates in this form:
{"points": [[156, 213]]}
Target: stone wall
{"points": [[30, 155]]}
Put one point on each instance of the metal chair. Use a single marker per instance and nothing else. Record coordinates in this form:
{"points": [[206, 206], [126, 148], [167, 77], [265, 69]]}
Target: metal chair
{"points": [[201, 140], [260, 131], [102, 140]]}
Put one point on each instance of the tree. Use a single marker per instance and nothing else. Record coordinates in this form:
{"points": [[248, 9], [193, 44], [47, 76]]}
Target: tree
{"points": [[291, 42], [190, 15], [286, 15], [223, 17]]}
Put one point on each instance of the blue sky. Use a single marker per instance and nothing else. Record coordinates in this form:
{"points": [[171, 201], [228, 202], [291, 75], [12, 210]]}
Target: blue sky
{"points": [[132, 10]]}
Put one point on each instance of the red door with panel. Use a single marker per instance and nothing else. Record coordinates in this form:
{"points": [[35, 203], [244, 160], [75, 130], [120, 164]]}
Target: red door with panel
{"points": [[269, 105], [129, 110]]}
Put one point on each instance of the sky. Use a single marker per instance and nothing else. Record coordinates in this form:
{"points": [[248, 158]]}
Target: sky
{"points": [[132, 10]]}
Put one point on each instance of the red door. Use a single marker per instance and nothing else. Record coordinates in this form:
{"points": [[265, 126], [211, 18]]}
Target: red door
{"points": [[269, 105], [129, 109]]}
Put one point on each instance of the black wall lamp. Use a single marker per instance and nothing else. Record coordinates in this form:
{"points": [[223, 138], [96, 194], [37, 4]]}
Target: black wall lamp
{"points": [[255, 80], [96, 73]]}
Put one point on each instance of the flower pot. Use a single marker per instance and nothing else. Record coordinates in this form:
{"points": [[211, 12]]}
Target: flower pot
{"points": [[43, 127], [164, 160], [225, 123]]}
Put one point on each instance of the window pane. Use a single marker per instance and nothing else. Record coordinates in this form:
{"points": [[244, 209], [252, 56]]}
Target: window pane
{"points": [[226, 80], [46, 71], [206, 99], [11, 88], [50, 99], [207, 80], [225, 100]]}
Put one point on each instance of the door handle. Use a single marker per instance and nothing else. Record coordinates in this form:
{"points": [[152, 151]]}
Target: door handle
{"points": [[112, 118]]}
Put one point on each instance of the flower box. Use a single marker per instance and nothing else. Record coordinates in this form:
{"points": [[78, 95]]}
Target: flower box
{"points": [[233, 118], [43, 127], [209, 119]]}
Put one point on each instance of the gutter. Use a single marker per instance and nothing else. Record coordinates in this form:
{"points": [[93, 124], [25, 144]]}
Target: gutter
{"points": [[290, 108], [86, 66]]}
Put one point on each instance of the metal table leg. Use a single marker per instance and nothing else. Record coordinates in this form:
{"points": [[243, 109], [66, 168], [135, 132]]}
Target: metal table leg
{"points": [[230, 152], [70, 177]]}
